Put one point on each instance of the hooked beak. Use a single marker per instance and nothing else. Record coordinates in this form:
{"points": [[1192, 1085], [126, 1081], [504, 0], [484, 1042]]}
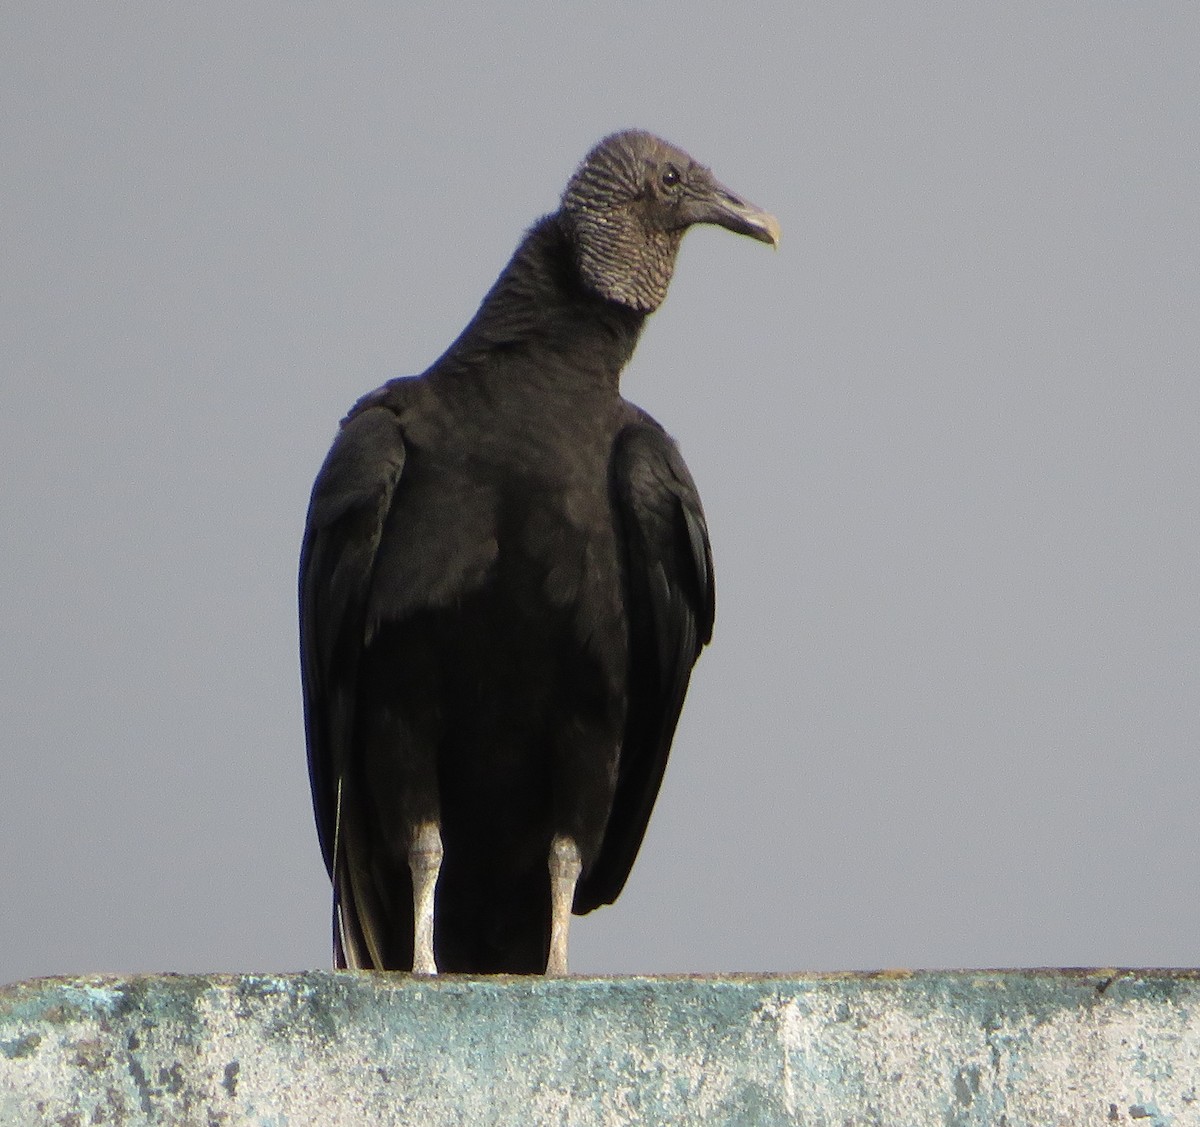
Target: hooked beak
{"points": [[726, 209]]}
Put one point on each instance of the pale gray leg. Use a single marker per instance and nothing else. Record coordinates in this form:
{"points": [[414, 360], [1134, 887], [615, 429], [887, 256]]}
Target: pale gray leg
{"points": [[425, 862], [565, 867]]}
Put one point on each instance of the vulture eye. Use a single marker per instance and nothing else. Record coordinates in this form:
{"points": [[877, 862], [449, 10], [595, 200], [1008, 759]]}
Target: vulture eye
{"points": [[670, 176]]}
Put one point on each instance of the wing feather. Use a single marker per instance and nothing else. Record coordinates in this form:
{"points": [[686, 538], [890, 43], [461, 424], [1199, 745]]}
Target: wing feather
{"points": [[350, 502], [670, 604]]}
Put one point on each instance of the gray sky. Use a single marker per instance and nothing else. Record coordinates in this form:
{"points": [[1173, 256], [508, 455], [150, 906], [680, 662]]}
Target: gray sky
{"points": [[946, 438]]}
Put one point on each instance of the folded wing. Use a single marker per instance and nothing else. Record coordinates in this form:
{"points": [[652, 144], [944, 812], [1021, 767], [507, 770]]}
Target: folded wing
{"points": [[670, 601]]}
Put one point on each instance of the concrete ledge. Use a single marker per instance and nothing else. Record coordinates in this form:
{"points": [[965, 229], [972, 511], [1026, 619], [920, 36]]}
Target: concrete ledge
{"points": [[997, 1048]]}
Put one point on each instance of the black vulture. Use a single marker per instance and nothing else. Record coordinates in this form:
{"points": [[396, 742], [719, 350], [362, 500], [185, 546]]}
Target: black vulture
{"points": [[504, 584]]}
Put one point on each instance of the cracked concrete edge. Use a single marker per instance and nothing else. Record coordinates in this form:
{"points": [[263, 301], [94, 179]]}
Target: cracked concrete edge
{"points": [[957, 1048]]}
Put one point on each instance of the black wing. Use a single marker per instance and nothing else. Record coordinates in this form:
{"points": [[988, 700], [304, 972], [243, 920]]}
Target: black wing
{"points": [[350, 501], [670, 601]]}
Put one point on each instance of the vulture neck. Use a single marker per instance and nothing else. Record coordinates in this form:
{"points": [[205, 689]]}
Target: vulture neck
{"points": [[540, 323]]}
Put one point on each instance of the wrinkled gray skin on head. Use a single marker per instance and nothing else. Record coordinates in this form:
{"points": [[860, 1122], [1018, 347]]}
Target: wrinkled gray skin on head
{"points": [[628, 206]]}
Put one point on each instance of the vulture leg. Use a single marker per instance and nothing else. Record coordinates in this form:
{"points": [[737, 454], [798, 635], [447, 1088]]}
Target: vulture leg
{"points": [[565, 867], [425, 862]]}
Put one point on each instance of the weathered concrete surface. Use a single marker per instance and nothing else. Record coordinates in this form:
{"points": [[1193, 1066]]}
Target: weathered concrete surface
{"points": [[1004, 1048]]}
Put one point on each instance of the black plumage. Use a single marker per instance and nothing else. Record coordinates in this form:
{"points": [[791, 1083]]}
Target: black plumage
{"points": [[504, 583]]}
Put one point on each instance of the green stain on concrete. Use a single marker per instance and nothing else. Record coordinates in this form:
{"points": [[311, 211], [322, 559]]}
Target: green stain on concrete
{"points": [[959, 1049], [21, 1046]]}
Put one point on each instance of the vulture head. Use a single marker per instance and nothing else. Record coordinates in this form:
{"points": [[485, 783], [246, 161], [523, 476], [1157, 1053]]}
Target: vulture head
{"points": [[628, 206]]}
